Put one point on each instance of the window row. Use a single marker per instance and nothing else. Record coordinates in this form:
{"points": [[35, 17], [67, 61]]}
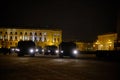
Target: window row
{"points": [[22, 33], [43, 39]]}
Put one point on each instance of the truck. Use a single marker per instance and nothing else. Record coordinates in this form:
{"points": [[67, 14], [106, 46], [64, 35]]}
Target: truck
{"points": [[26, 48], [68, 49]]}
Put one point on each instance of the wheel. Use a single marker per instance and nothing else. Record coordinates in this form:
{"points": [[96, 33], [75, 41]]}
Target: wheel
{"points": [[32, 55], [60, 55]]}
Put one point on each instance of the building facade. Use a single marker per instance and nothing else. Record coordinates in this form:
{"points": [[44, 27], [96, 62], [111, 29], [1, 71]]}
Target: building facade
{"points": [[82, 46], [42, 37], [105, 42]]}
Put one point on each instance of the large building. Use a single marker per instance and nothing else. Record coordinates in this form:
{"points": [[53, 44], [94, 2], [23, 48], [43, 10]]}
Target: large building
{"points": [[105, 42], [9, 37], [82, 46]]}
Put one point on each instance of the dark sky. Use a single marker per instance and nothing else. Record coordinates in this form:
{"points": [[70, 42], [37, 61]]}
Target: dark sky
{"points": [[80, 20]]}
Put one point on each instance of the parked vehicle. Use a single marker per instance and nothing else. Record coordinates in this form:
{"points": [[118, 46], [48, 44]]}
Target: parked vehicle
{"points": [[68, 49], [26, 47]]}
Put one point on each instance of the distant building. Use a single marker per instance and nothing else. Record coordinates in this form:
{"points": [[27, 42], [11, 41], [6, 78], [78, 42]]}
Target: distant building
{"points": [[105, 42], [10, 37], [82, 46]]}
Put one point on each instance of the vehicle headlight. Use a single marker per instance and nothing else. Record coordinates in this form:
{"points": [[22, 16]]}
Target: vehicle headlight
{"points": [[31, 50], [56, 51], [43, 50], [12, 49], [75, 52], [62, 51], [17, 49], [49, 51], [36, 50]]}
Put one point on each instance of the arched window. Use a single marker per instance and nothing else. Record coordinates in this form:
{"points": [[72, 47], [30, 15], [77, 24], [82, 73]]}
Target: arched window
{"points": [[35, 34], [30, 33], [15, 33], [11, 33], [25, 33], [20, 33]]}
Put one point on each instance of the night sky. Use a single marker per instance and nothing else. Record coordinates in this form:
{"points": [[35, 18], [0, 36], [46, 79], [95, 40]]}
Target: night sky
{"points": [[80, 20]]}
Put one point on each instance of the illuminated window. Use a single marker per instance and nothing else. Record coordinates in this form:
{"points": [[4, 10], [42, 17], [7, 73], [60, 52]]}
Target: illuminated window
{"points": [[0, 37], [44, 33], [31, 38], [21, 37], [26, 38]]}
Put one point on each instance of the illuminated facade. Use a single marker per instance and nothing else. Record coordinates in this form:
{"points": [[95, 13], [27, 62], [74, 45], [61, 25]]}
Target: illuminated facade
{"points": [[42, 37], [105, 42], [84, 46]]}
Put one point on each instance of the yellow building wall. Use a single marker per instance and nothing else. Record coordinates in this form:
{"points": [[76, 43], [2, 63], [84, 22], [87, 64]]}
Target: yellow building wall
{"points": [[105, 42], [42, 37]]}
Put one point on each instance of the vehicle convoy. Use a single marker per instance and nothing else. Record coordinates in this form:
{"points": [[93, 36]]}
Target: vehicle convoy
{"points": [[68, 49], [50, 50], [26, 48]]}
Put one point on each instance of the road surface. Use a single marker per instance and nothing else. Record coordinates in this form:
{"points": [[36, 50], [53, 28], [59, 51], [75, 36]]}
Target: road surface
{"points": [[54, 68]]}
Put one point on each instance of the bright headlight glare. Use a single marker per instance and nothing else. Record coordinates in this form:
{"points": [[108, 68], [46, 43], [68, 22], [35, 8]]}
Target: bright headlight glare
{"points": [[31, 50], [61, 51], [49, 51], [57, 51], [37, 50], [17, 49], [12, 49], [75, 52], [43, 50]]}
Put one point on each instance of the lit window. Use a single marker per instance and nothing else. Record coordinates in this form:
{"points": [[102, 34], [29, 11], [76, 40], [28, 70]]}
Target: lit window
{"points": [[0, 37], [20, 37], [26, 38]]}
